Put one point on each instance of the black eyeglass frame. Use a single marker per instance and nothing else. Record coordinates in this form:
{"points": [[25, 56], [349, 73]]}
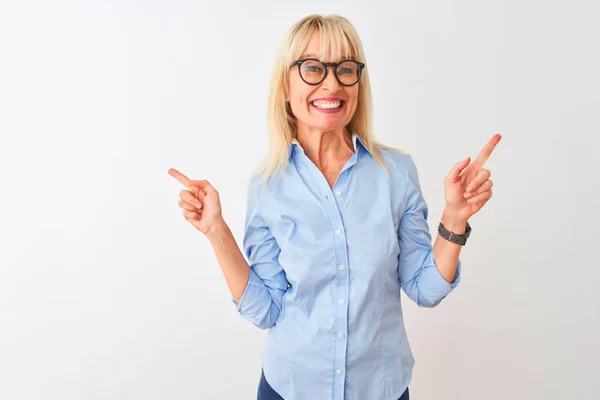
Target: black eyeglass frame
{"points": [[326, 67]]}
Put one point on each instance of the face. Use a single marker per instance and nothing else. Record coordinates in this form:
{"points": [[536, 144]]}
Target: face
{"points": [[326, 106]]}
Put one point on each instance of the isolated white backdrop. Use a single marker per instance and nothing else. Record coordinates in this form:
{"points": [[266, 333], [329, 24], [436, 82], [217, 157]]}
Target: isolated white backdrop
{"points": [[106, 292]]}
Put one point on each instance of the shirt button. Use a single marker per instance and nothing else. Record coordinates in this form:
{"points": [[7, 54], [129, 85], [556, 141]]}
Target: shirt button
{"points": [[338, 194], [337, 231], [342, 268], [338, 371], [340, 334], [341, 301]]}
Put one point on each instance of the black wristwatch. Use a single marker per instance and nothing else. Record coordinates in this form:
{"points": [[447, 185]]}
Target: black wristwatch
{"points": [[454, 237]]}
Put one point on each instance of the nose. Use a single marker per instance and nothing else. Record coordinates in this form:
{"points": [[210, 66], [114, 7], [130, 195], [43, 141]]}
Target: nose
{"points": [[331, 83]]}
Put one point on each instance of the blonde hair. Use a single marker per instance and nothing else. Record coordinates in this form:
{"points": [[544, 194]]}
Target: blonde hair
{"points": [[339, 36]]}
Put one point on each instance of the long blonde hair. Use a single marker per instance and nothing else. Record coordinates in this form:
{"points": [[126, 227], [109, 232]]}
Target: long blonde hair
{"points": [[340, 37]]}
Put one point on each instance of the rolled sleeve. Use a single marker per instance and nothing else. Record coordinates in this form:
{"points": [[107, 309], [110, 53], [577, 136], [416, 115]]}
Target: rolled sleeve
{"points": [[419, 276], [263, 296]]}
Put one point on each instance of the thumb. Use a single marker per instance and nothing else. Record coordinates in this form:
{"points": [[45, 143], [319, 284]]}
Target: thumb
{"points": [[204, 185], [454, 174]]}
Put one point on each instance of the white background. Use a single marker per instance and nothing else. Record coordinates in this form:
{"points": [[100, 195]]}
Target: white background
{"points": [[106, 292]]}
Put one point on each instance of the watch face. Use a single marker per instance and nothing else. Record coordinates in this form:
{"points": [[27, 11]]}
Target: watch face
{"points": [[468, 232]]}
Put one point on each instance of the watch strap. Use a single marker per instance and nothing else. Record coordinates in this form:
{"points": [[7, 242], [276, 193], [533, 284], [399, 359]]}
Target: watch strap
{"points": [[458, 238]]}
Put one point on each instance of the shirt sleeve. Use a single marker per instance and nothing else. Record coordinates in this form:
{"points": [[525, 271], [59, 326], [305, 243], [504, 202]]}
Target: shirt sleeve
{"points": [[419, 276], [262, 299]]}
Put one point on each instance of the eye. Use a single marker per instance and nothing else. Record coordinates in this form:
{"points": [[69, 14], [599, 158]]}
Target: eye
{"points": [[315, 69]]}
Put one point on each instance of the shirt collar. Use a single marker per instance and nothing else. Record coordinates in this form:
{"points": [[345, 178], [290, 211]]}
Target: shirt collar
{"points": [[355, 140]]}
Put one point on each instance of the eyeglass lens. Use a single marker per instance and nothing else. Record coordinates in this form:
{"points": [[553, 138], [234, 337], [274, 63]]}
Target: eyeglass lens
{"points": [[313, 71]]}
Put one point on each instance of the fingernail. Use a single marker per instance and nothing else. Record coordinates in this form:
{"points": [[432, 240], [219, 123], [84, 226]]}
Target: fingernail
{"points": [[198, 205]]}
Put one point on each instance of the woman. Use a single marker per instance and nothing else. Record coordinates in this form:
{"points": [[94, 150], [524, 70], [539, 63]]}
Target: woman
{"points": [[336, 225]]}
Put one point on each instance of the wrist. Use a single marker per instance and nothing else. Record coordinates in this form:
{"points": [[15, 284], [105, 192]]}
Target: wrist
{"points": [[216, 230], [453, 221]]}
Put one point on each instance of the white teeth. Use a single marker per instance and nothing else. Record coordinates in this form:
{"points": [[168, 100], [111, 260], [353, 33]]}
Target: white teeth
{"points": [[326, 104]]}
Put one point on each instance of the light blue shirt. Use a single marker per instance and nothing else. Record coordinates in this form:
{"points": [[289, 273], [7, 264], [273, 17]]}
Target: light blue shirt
{"points": [[326, 268]]}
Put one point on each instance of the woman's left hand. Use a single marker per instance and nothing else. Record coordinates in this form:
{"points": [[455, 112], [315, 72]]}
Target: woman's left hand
{"points": [[468, 187]]}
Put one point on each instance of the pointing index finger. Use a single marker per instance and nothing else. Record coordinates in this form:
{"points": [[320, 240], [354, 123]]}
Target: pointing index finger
{"points": [[487, 151], [184, 180]]}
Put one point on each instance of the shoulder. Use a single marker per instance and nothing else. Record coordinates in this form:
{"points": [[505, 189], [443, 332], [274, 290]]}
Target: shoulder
{"points": [[260, 185], [255, 186], [400, 161]]}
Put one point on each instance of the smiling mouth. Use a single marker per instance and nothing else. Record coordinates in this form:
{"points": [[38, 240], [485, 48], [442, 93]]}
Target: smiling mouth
{"points": [[327, 105]]}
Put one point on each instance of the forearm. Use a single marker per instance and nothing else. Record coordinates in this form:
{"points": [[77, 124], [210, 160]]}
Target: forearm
{"points": [[446, 253], [234, 266]]}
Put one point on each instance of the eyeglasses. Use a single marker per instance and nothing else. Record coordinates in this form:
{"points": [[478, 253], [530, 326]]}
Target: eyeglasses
{"points": [[313, 71]]}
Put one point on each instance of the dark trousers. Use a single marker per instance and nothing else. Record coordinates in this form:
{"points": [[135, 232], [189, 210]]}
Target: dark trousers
{"points": [[266, 392]]}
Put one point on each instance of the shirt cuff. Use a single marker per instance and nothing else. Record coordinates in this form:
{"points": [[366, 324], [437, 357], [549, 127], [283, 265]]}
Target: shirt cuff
{"points": [[442, 282], [254, 289]]}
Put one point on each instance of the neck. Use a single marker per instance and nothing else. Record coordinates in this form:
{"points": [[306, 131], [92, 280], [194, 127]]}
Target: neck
{"points": [[324, 147]]}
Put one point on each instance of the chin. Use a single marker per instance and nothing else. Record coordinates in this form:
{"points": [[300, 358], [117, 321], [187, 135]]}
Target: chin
{"points": [[328, 123]]}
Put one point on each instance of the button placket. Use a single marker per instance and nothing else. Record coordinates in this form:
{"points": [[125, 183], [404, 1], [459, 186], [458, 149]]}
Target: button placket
{"points": [[334, 206], [333, 201]]}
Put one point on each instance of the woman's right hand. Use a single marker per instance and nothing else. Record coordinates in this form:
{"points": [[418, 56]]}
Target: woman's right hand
{"points": [[200, 203]]}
